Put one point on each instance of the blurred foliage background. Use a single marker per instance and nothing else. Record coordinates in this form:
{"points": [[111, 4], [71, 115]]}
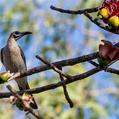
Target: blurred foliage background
{"points": [[58, 36]]}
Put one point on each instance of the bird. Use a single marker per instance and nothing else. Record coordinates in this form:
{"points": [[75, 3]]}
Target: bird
{"points": [[13, 58]]}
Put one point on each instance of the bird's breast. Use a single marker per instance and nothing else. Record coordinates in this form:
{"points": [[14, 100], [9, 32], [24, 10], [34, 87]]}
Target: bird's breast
{"points": [[13, 60]]}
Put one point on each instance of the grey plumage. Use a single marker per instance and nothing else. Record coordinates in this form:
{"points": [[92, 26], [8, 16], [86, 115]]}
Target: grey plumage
{"points": [[14, 60]]}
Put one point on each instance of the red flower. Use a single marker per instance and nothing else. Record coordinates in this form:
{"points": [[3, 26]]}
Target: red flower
{"points": [[109, 12], [108, 51], [112, 6]]}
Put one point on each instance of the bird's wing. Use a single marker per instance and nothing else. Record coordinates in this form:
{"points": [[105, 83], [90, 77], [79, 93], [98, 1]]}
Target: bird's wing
{"points": [[33, 104], [23, 56], [1, 55]]}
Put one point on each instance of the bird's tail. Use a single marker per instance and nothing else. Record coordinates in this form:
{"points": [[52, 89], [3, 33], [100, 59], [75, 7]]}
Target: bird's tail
{"points": [[23, 84]]}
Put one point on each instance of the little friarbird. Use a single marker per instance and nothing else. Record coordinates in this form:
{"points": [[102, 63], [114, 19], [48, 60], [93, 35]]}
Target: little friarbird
{"points": [[14, 60]]}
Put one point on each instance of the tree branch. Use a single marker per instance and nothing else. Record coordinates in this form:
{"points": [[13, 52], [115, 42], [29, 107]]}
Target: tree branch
{"points": [[55, 85], [86, 13], [66, 91], [61, 74], [63, 63], [52, 66], [90, 10], [103, 26]]}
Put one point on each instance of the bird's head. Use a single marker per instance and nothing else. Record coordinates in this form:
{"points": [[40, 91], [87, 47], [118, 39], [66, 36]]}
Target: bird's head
{"points": [[16, 34]]}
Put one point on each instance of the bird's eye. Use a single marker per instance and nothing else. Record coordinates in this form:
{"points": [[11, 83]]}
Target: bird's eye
{"points": [[16, 32]]}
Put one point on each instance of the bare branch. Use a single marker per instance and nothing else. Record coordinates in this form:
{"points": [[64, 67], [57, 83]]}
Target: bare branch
{"points": [[103, 26], [90, 10], [86, 13], [63, 82], [63, 63], [61, 74], [111, 70], [66, 92], [51, 65], [55, 85], [97, 23], [94, 63]]}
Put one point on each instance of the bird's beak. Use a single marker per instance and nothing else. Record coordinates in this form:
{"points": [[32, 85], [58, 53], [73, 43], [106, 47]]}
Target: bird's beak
{"points": [[26, 33], [23, 34]]}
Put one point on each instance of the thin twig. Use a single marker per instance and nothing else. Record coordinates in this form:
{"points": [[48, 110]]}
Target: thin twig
{"points": [[25, 107], [94, 63], [105, 68], [61, 74], [66, 92], [54, 67], [90, 10], [97, 23], [54, 85], [103, 26], [86, 13], [61, 83], [62, 63]]}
